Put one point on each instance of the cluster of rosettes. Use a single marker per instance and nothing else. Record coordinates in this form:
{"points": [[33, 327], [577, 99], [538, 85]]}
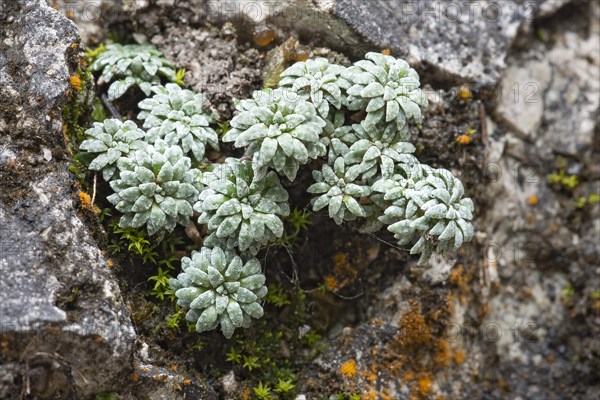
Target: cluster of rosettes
{"points": [[370, 172], [176, 115], [156, 186], [241, 211], [132, 65], [218, 287]]}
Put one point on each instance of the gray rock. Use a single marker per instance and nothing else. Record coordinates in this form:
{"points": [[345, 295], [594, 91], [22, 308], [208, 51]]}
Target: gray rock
{"points": [[93, 18], [454, 41], [550, 96], [65, 329]]}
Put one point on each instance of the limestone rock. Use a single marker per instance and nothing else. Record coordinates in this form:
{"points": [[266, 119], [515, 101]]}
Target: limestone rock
{"points": [[65, 330]]}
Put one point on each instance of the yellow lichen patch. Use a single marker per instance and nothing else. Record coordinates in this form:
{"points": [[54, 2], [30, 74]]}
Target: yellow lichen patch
{"points": [[85, 199], [246, 394], [424, 386], [348, 368], [174, 368], [110, 263], [465, 92], [176, 386], [331, 283], [370, 395], [415, 331], [76, 82], [134, 376], [386, 52], [532, 200], [459, 356], [463, 140], [86, 202], [187, 381], [443, 353]]}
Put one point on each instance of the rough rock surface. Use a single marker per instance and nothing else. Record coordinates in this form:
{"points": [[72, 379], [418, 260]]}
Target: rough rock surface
{"points": [[65, 330], [515, 315], [453, 41]]}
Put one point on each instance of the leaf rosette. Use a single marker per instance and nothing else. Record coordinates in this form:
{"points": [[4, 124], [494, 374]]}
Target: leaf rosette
{"points": [[280, 130], [218, 287], [111, 140], [241, 211], [177, 116], [156, 186]]}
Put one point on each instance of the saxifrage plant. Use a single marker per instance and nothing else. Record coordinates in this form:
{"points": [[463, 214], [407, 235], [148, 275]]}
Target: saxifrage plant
{"points": [[365, 171]]}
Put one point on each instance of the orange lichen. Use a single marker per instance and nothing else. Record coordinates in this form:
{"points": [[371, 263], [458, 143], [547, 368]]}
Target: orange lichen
{"points": [[246, 394], [187, 381], [263, 35], [134, 376], [86, 202], [459, 356], [110, 263], [371, 395], [463, 139], [443, 353], [414, 331], [85, 199], [70, 14], [532, 200], [76, 83], [176, 386], [174, 368], [348, 368], [371, 377], [424, 386], [341, 265], [465, 92], [331, 283], [386, 52]]}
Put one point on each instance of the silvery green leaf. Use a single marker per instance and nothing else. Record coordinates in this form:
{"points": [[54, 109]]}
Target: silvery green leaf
{"points": [[99, 162], [229, 207], [437, 212], [118, 88], [235, 314], [353, 206], [203, 300], [207, 319], [188, 294], [229, 225], [321, 202], [449, 232], [253, 309]]}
